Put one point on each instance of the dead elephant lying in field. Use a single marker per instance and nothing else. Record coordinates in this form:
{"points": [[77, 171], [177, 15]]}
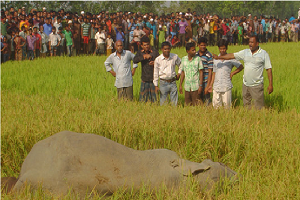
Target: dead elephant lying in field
{"points": [[86, 162]]}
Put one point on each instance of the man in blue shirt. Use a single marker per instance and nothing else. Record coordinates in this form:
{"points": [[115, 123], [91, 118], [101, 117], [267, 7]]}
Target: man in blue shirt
{"points": [[47, 27], [119, 33], [121, 69]]}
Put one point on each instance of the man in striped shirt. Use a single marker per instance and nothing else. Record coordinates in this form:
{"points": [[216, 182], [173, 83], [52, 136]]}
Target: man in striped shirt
{"points": [[207, 60], [86, 33]]}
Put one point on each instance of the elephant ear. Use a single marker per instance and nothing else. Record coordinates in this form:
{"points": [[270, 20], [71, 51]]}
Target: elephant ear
{"points": [[186, 167]]}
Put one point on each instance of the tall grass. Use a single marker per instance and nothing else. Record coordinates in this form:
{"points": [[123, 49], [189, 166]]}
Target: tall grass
{"points": [[46, 96]]}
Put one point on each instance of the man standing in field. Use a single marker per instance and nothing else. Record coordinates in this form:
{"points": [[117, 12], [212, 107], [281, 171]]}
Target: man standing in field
{"points": [[192, 69], [121, 69], [207, 60], [146, 56], [164, 69], [255, 60], [221, 79], [54, 41]]}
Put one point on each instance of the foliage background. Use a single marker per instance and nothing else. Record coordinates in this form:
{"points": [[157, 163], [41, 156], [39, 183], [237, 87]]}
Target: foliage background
{"points": [[278, 9]]}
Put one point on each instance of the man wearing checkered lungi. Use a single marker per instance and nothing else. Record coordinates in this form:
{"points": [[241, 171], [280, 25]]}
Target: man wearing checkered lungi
{"points": [[146, 56]]}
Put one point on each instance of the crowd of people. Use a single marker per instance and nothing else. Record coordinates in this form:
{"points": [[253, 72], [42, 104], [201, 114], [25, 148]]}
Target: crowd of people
{"points": [[54, 33]]}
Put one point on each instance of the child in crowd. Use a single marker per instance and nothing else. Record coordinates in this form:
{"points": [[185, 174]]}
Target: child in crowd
{"points": [[175, 41], [276, 32], [240, 33], [109, 44], [169, 39], [151, 37]]}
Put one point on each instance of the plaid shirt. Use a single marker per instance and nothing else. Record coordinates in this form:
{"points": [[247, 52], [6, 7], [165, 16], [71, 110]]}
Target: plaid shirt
{"points": [[191, 71]]}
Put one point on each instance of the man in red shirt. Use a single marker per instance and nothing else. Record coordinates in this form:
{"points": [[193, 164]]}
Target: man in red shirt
{"points": [[37, 42]]}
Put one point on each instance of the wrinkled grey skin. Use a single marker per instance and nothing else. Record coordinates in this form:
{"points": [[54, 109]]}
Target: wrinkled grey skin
{"points": [[86, 162]]}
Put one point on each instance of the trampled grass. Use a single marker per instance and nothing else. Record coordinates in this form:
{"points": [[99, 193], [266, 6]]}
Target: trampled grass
{"points": [[43, 97]]}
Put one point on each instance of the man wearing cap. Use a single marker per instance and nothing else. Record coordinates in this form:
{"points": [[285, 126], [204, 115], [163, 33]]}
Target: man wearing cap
{"points": [[255, 61], [119, 65]]}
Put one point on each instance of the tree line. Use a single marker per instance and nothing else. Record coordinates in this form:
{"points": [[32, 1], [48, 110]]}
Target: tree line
{"points": [[277, 9]]}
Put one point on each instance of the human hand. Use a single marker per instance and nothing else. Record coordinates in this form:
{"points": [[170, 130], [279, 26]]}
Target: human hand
{"points": [[156, 89], [270, 89], [215, 56], [151, 63], [180, 89], [206, 90], [231, 75], [200, 90], [147, 56], [209, 89], [113, 73]]}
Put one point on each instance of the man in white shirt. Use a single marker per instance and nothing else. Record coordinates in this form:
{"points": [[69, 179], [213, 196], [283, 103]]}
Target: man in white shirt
{"points": [[119, 65], [221, 84], [54, 41], [100, 38], [164, 69]]}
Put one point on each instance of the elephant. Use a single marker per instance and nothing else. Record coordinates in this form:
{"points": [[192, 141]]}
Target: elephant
{"points": [[83, 163]]}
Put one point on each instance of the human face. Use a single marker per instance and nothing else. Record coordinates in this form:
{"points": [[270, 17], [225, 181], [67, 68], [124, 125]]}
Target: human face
{"points": [[119, 47], [202, 47], [253, 44], [223, 50], [192, 52], [166, 51], [145, 46]]}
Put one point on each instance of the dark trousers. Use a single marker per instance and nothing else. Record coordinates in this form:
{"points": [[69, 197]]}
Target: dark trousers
{"points": [[191, 98], [125, 93]]}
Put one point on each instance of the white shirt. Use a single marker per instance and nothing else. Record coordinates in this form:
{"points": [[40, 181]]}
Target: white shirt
{"points": [[122, 67], [98, 37], [223, 68], [164, 68], [54, 39], [137, 35], [254, 64]]}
